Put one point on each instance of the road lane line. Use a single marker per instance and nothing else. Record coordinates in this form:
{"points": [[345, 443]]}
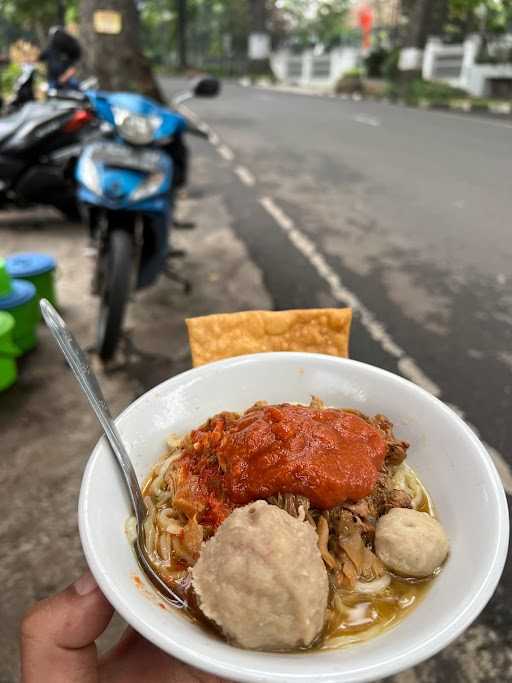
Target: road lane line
{"points": [[225, 152], [375, 328], [410, 369], [245, 176], [340, 292], [406, 365], [190, 114], [366, 120], [213, 138]]}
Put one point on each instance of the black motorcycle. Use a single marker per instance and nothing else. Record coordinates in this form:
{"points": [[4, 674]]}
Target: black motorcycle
{"points": [[39, 146]]}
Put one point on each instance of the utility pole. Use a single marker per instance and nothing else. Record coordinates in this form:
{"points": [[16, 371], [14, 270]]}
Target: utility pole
{"points": [[181, 6], [259, 39]]}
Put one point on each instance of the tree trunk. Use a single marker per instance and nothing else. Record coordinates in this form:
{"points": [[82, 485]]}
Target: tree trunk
{"points": [[419, 24], [439, 18], [182, 33], [61, 13], [116, 59]]}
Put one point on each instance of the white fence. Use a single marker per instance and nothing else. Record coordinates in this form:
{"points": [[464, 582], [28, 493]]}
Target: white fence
{"points": [[453, 64], [456, 65], [308, 69]]}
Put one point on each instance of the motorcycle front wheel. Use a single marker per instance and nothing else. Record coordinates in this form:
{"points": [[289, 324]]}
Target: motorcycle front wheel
{"points": [[117, 278]]}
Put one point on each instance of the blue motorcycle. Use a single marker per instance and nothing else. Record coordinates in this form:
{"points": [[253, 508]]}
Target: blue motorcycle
{"points": [[126, 184]]}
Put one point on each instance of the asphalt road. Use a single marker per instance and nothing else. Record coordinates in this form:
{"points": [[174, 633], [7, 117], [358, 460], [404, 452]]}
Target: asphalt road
{"points": [[411, 209], [405, 215], [298, 202]]}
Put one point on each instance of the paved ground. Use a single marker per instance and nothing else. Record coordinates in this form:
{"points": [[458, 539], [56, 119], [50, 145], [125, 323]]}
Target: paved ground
{"points": [[302, 202]]}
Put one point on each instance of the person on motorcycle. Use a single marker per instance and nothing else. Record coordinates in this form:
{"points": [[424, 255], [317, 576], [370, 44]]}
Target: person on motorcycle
{"points": [[60, 56]]}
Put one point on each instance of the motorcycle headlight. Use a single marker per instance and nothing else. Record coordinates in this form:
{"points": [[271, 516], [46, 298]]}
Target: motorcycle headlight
{"points": [[149, 187], [137, 130], [89, 175]]}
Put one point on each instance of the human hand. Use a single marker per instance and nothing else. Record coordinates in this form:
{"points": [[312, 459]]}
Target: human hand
{"points": [[58, 645], [69, 73]]}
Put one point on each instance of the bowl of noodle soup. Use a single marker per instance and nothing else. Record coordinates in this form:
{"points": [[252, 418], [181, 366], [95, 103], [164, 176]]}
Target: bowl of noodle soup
{"points": [[444, 456]]}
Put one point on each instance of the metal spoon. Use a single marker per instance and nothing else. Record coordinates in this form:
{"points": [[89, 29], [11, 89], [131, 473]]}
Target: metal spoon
{"points": [[79, 364]]}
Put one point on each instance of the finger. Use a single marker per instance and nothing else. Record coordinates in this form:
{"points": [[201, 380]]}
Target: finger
{"points": [[134, 660], [58, 634]]}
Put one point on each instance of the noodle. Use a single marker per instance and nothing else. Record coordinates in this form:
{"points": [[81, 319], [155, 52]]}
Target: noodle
{"points": [[364, 598], [323, 537]]}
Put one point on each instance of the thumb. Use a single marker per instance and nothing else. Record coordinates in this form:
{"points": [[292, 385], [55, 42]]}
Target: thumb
{"points": [[58, 634]]}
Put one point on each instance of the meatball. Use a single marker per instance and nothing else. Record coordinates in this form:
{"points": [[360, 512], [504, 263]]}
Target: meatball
{"points": [[410, 543], [261, 578]]}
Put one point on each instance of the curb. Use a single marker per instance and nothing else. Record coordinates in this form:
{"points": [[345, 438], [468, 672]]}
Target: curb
{"points": [[460, 105]]}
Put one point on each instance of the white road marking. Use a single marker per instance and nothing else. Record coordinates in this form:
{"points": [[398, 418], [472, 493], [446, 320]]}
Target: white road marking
{"points": [[213, 138], [245, 176], [376, 329], [190, 114], [225, 152], [410, 369], [406, 365], [366, 120], [339, 291]]}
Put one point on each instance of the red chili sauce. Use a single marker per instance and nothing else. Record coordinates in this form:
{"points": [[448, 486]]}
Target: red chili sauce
{"points": [[328, 455]]}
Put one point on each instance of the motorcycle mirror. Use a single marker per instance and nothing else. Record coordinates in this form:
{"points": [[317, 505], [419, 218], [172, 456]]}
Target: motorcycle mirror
{"points": [[207, 86]]}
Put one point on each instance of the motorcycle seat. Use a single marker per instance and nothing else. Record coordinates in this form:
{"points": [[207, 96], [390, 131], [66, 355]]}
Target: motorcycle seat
{"points": [[32, 111]]}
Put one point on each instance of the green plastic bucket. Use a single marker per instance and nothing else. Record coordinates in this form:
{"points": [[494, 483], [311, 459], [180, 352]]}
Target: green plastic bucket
{"points": [[37, 268], [8, 352], [18, 297]]}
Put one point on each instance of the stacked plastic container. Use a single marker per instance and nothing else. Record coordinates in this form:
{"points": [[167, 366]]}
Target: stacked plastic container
{"points": [[8, 352], [39, 269], [25, 278], [18, 298]]}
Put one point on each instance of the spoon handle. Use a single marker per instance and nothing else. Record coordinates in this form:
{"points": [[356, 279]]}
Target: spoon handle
{"points": [[79, 364]]}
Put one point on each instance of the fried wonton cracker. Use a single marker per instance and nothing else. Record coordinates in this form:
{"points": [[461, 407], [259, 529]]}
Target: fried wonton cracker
{"points": [[223, 335]]}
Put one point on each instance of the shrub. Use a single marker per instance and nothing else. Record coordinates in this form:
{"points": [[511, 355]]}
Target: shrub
{"points": [[375, 61], [8, 77], [390, 64], [350, 82], [353, 73], [432, 91]]}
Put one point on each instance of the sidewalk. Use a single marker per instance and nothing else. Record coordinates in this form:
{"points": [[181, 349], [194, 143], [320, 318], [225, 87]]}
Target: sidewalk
{"points": [[47, 428]]}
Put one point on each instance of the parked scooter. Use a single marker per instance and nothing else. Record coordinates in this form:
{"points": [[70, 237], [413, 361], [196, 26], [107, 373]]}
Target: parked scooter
{"points": [[126, 188], [39, 147]]}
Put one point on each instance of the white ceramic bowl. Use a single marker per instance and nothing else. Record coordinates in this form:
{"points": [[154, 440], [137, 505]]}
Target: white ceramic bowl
{"points": [[449, 458]]}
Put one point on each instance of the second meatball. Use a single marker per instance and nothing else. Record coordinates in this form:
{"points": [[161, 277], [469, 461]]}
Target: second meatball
{"points": [[410, 543]]}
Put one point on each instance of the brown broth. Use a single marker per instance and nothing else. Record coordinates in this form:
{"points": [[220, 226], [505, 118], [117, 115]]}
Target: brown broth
{"points": [[383, 610]]}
